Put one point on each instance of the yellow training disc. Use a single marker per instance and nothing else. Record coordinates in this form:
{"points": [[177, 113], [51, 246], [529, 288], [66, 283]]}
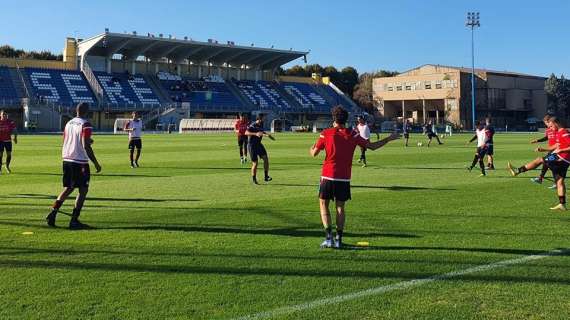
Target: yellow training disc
{"points": [[27, 233], [362, 244]]}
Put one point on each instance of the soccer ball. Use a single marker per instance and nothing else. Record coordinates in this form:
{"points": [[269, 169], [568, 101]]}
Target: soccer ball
{"points": [[420, 144]]}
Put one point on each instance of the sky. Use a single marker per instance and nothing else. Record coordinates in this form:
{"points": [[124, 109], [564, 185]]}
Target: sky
{"points": [[524, 36]]}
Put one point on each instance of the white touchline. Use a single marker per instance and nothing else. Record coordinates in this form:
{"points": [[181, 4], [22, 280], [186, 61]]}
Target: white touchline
{"points": [[392, 287]]}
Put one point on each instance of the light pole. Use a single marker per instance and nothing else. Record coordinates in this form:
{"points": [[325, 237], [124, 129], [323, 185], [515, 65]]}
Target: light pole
{"points": [[472, 21]]}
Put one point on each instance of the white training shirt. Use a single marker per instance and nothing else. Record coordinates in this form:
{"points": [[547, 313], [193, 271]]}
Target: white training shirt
{"points": [[73, 150], [482, 137], [364, 131], [137, 126]]}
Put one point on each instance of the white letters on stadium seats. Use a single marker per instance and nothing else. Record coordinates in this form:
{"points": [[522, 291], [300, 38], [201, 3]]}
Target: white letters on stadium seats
{"points": [[113, 89], [35, 78], [142, 90], [75, 90]]}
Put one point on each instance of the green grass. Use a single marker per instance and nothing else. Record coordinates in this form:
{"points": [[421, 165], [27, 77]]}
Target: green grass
{"points": [[187, 236]]}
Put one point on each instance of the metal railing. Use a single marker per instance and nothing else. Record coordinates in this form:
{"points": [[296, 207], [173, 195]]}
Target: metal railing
{"points": [[92, 79]]}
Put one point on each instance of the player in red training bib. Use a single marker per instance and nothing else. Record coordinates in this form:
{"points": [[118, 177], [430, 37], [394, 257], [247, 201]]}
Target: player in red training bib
{"points": [[557, 160], [7, 129], [339, 144], [76, 153], [550, 136], [240, 127]]}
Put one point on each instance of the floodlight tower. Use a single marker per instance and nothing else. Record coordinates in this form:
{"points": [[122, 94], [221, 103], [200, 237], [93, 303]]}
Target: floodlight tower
{"points": [[472, 22]]}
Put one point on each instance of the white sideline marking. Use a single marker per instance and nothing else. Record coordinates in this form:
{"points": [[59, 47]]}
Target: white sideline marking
{"points": [[392, 287]]}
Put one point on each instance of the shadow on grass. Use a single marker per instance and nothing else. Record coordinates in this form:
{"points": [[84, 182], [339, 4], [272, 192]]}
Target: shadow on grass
{"points": [[271, 271], [391, 188], [52, 197], [122, 175]]}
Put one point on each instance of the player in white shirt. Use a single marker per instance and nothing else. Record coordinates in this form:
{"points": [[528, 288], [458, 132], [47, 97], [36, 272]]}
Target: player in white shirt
{"points": [[364, 132], [134, 127], [483, 137], [76, 153]]}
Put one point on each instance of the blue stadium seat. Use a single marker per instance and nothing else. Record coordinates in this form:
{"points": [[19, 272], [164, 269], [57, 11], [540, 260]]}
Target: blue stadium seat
{"points": [[125, 89], [61, 86], [201, 94], [7, 89], [306, 96], [336, 97], [263, 94]]}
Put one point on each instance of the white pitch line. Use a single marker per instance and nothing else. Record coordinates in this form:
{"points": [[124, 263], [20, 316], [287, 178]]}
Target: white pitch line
{"points": [[392, 287]]}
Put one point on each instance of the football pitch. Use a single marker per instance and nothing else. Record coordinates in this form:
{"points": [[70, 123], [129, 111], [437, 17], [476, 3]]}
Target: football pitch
{"points": [[187, 236]]}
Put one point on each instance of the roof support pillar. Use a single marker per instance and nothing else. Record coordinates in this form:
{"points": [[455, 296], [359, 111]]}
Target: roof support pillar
{"points": [[108, 64], [133, 67], [239, 74], [179, 69], [199, 71]]}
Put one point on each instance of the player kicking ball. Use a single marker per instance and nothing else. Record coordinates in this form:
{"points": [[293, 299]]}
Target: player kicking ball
{"points": [[339, 144], [428, 130], [255, 133], [550, 136], [76, 154], [7, 129], [134, 128], [483, 137], [557, 160]]}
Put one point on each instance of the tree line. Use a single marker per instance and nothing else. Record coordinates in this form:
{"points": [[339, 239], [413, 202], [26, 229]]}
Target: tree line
{"points": [[10, 52], [558, 95], [355, 85]]}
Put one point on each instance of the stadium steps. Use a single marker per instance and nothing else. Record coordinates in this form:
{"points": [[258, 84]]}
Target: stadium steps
{"points": [[347, 100], [292, 101], [158, 89], [330, 99], [19, 83], [236, 92]]}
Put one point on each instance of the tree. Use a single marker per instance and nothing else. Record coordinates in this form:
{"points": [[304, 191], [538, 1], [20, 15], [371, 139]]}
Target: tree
{"points": [[558, 95], [9, 52], [363, 91], [551, 87]]}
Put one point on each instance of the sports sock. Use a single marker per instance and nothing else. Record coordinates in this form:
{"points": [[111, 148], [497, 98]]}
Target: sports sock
{"points": [[543, 171], [475, 159], [266, 172], [75, 214], [254, 178], [522, 169], [8, 160], [339, 235], [328, 232], [56, 205], [482, 166], [562, 199]]}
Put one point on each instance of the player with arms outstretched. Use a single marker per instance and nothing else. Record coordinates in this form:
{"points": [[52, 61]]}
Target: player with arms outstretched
{"points": [[76, 153], [134, 128], [255, 132], [7, 129], [490, 131], [483, 137], [339, 144], [364, 132]]}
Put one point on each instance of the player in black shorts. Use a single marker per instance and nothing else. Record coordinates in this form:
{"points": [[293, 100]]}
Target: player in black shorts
{"points": [[490, 149], [430, 134], [406, 128], [255, 132]]}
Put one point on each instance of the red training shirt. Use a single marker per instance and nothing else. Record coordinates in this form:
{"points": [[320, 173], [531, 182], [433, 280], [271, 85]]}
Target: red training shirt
{"points": [[7, 126], [551, 135], [563, 140], [241, 127], [339, 145]]}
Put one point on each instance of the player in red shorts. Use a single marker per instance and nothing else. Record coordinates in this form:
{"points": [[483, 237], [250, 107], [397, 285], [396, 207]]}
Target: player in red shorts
{"points": [[557, 160], [240, 128], [339, 144], [550, 136], [7, 129]]}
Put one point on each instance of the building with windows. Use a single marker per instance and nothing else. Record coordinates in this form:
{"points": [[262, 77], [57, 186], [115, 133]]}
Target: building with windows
{"points": [[442, 94]]}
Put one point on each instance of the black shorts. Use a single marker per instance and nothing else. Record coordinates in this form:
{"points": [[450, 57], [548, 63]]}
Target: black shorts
{"points": [[490, 150], [559, 168], [334, 190], [406, 135], [482, 151], [76, 175], [135, 143], [6, 145], [256, 151], [431, 135], [242, 141]]}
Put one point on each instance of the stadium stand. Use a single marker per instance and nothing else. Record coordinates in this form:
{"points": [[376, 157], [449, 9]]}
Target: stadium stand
{"points": [[62, 86], [263, 94], [124, 89], [208, 94], [306, 96], [7, 89]]}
